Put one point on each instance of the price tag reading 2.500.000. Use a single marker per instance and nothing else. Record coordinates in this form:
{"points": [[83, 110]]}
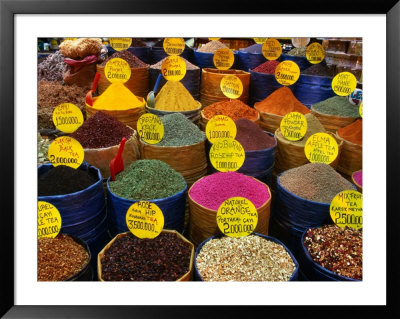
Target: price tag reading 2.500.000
{"points": [[346, 209], [237, 217], [67, 151], [145, 219]]}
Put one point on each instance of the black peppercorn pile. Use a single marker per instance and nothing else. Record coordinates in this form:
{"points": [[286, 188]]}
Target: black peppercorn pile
{"points": [[164, 258], [337, 249]]}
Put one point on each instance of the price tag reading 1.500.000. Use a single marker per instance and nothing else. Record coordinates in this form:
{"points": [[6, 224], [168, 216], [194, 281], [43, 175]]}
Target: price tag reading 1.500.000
{"points": [[237, 217], [145, 219], [346, 209], [227, 155], [67, 117], [321, 148], [67, 151], [220, 126], [150, 128], [293, 126], [344, 83], [49, 220]]}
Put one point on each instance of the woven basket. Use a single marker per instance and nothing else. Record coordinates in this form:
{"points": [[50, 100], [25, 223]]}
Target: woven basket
{"points": [[210, 91], [332, 122], [138, 83], [101, 157], [203, 223], [186, 277], [351, 157], [128, 117], [291, 156], [193, 115], [269, 122], [359, 187], [203, 121]]}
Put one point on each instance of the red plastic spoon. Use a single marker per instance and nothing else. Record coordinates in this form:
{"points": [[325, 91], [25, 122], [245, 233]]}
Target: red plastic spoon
{"points": [[116, 164], [89, 99]]}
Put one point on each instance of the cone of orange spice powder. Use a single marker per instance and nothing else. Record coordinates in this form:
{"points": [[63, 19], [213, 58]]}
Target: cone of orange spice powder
{"points": [[275, 106]]}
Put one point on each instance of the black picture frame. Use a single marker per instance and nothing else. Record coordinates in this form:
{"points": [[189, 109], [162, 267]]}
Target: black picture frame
{"points": [[9, 8]]}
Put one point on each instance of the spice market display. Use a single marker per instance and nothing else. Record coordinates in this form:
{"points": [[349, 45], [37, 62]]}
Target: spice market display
{"points": [[200, 159]]}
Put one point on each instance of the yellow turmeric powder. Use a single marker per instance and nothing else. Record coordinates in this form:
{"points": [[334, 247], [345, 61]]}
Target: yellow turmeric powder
{"points": [[117, 97], [175, 97]]}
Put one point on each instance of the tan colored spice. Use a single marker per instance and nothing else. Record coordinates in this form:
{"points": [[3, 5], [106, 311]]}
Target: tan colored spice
{"points": [[250, 258], [60, 258]]}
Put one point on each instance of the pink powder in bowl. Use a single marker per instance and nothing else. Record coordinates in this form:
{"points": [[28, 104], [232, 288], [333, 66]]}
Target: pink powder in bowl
{"points": [[211, 191], [358, 177]]}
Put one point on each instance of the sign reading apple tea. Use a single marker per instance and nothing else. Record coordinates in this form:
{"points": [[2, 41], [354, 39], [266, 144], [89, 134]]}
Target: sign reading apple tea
{"points": [[49, 220]]}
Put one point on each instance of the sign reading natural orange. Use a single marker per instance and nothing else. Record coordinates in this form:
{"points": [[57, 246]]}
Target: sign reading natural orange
{"points": [[231, 86], [346, 209], [117, 70], [227, 155], [293, 126], [67, 151], [49, 220], [220, 126], [119, 44], [67, 117], [287, 73], [150, 128], [223, 59], [237, 217], [173, 68], [315, 53], [174, 46], [144, 219], [321, 148], [271, 49], [344, 83]]}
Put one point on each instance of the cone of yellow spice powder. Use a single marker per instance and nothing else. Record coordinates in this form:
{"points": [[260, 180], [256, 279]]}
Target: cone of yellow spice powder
{"points": [[118, 101], [175, 97]]}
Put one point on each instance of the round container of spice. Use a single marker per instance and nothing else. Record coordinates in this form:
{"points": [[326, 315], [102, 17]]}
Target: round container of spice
{"points": [[251, 258], [138, 83], [191, 80], [303, 197], [209, 192], [148, 180], [250, 57], [291, 153], [173, 98], [203, 56], [331, 253], [235, 109], [263, 82], [335, 112], [357, 180], [210, 91], [63, 258], [158, 53], [168, 257], [100, 137], [275, 106]]}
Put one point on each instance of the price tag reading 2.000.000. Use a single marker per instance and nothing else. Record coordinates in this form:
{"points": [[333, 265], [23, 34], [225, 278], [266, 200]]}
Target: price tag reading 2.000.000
{"points": [[173, 68], [145, 219], [150, 128], [117, 71], [49, 220], [67, 151], [237, 217]]}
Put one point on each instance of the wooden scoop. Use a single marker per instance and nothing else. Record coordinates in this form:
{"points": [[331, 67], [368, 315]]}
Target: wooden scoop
{"points": [[117, 164]]}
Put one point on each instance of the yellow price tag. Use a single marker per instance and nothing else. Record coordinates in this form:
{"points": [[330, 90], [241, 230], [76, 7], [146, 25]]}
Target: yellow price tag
{"points": [[346, 209], [144, 219], [66, 151], [237, 217], [293, 126], [174, 46], [72, 39], [220, 126], [271, 49], [150, 128], [214, 39], [361, 109], [117, 70], [315, 53], [119, 44], [227, 155], [287, 72], [223, 59], [231, 86], [344, 83], [49, 220], [173, 68], [321, 148], [67, 117], [260, 40]]}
